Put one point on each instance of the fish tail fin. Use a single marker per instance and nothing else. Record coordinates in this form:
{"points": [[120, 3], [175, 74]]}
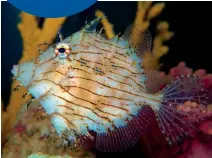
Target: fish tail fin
{"points": [[173, 122]]}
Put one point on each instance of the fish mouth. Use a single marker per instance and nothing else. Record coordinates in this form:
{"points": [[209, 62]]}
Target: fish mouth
{"points": [[14, 70]]}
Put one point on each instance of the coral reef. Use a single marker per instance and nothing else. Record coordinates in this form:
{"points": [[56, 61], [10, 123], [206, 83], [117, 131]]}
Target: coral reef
{"points": [[33, 133], [201, 144], [163, 35], [195, 111], [31, 35]]}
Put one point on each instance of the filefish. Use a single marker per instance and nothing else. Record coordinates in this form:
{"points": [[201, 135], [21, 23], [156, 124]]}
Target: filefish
{"points": [[87, 82]]}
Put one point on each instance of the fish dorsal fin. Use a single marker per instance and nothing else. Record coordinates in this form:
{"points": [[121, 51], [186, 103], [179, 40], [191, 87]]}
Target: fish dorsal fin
{"points": [[91, 26], [139, 38]]}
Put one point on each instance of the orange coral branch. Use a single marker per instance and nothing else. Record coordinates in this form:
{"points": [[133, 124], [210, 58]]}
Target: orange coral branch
{"points": [[145, 13], [159, 49]]}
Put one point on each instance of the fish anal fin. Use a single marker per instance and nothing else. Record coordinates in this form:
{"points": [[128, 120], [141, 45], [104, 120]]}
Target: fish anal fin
{"points": [[126, 137]]}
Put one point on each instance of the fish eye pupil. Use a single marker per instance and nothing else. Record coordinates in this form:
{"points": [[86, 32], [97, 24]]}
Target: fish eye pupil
{"points": [[61, 50]]}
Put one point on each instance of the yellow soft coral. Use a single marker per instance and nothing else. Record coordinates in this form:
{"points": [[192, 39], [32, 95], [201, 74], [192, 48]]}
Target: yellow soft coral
{"points": [[140, 19], [31, 35], [146, 11], [163, 35]]}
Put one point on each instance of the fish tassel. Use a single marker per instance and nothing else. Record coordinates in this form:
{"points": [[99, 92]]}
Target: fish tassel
{"points": [[17, 88], [41, 117], [42, 44], [50, 134], [30, 103], [91, 27], [39, 108], [100, 32], [60, 35], [24, 96]]}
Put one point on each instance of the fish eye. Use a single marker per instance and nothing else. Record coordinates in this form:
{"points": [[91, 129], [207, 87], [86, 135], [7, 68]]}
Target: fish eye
{"points": [[62, 50]]}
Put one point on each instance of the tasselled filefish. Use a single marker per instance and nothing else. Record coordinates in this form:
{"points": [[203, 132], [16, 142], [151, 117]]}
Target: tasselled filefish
{"points": [[87, 82]]}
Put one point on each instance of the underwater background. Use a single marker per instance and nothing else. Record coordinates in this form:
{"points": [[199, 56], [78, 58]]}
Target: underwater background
{"points": [[183, 48]]}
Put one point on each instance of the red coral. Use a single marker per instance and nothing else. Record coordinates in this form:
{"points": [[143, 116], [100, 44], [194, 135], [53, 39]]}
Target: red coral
{"points": [[155, 80], [180, 69], [20, 127], [199, 146], [195, 112], [196, 150]]}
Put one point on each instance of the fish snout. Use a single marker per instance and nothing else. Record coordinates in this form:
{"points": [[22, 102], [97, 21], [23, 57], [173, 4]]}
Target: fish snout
{"points": [[15, 70]]}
